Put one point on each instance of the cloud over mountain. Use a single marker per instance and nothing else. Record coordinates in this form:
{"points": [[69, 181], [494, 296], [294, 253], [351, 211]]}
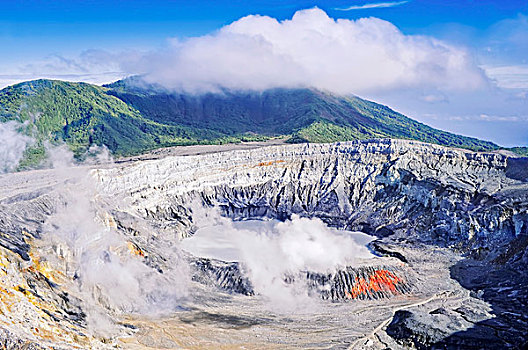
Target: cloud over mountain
{"points": [[311, 49]]}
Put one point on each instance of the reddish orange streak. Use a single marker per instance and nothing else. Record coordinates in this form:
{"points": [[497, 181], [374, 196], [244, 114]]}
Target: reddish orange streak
{"points": [[380, 280]]}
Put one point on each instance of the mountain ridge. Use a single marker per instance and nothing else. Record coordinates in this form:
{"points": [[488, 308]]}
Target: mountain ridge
{"points": [[132, 118], [304, 106]]}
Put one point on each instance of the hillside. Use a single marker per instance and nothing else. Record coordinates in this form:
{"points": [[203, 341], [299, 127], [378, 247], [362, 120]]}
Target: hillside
{"points": [[83, 114], [307, 115], [132, 118]]}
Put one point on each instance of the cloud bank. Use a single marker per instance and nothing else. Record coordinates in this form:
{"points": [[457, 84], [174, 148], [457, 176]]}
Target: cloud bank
{"points": [[310, 50], [91, 66]]}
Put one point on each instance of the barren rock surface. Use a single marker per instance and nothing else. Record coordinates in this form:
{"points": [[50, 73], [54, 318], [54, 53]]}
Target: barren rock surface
{"points": [[455, 221]]}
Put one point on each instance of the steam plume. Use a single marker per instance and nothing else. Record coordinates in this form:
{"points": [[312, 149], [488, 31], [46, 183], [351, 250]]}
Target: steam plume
{"points": [[105, 269], [272, 251], [12, 146]]}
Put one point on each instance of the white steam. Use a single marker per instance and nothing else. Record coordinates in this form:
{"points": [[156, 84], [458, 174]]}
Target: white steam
{"points": [[271, 250], [61, 157], [12, 146], [310, 50], [105, 270]]}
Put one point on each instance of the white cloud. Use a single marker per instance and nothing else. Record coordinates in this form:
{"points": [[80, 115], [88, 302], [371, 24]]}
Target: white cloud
{"points": [[80, 240], [311, 50], [502, 118], [101, 78], [494, 114], [372, 6], [288, 248]]}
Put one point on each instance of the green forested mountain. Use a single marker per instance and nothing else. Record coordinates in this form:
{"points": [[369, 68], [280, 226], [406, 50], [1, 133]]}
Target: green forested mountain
{"points": [[83, 114], [129, 117], [306, 115]]}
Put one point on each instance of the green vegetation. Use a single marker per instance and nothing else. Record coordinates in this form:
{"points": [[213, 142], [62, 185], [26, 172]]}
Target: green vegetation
{"points": [[389, 123], [304, 114], [82, 114], [322, 131], [522, 151], [130, 117]]}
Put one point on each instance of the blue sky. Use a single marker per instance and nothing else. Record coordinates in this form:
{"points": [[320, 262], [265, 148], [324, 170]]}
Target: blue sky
{"points": [[87, 40], [37, 27]]}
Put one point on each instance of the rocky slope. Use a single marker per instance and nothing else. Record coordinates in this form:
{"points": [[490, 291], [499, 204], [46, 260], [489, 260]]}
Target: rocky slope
{"points": [[455, 221]]}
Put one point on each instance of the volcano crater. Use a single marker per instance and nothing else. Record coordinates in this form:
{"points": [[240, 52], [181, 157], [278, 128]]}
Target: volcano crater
{"points": [[449, 232]]}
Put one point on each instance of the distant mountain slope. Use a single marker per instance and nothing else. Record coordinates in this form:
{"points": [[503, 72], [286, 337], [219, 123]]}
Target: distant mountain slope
{"points": [[131, 118], [83, 114], [305, 114]]}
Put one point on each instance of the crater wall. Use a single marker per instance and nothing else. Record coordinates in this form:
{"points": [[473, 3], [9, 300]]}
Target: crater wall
{"points": [[405, 189]]}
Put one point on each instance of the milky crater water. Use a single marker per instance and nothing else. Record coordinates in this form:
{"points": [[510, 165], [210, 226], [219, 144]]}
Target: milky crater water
{"points": [[299, 243]]}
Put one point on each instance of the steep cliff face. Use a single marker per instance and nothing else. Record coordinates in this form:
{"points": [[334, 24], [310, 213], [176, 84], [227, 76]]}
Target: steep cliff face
{"points": [[454, 221], [413, 190]]}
